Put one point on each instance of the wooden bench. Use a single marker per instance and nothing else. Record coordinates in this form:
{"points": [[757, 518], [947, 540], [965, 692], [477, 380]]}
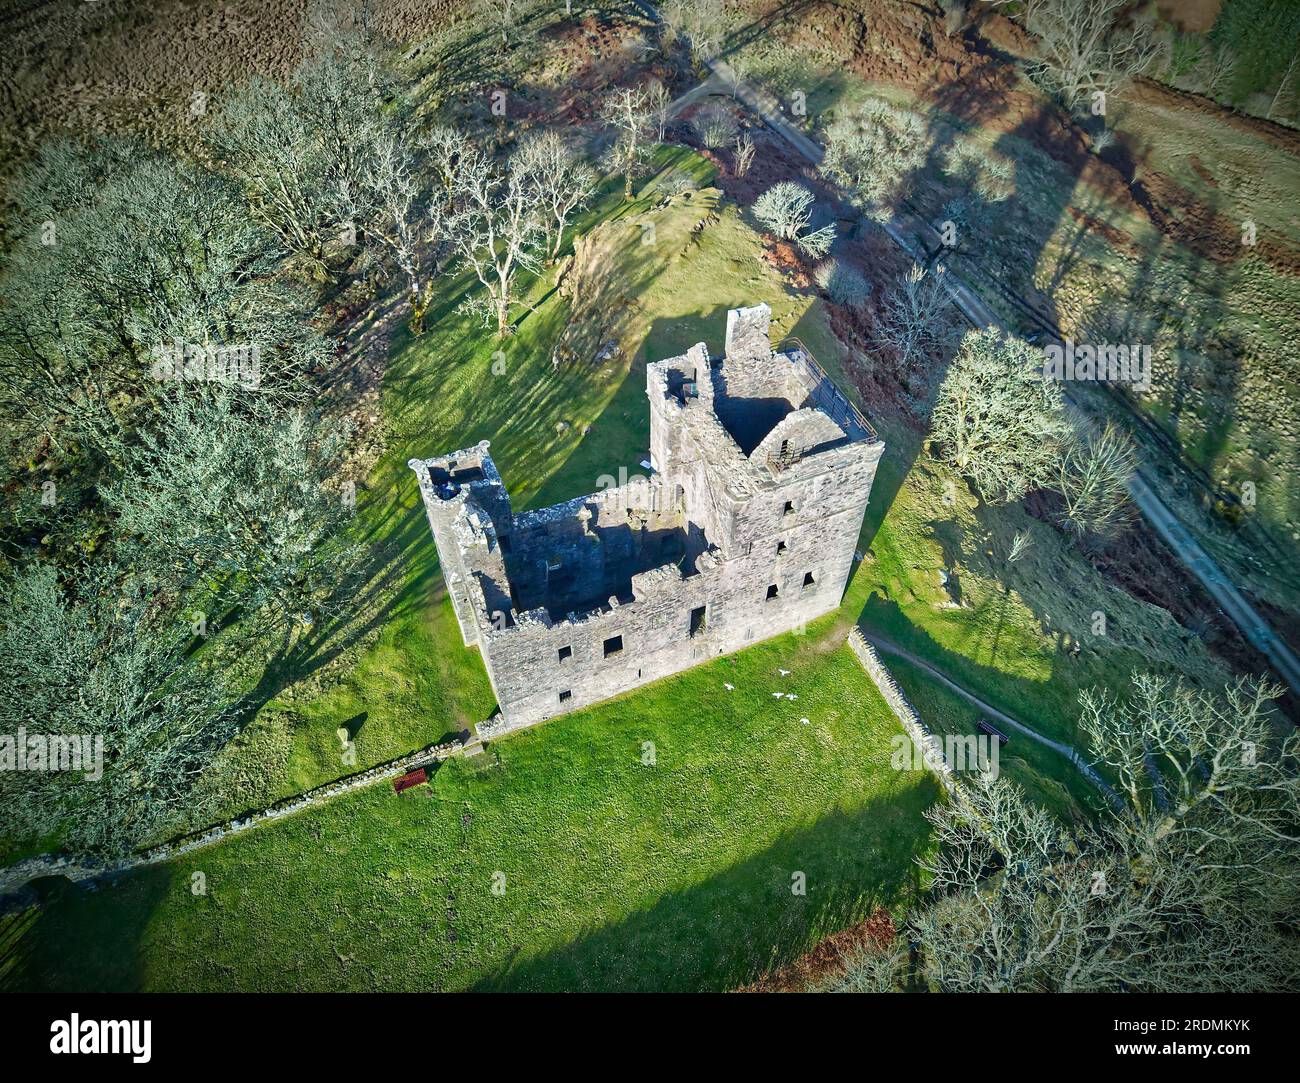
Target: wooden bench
{"points": [[992, 730], [411, 778]]}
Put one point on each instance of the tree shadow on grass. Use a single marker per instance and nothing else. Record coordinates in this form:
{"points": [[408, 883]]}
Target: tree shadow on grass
{"points": [[81, 937], [730, 929]]}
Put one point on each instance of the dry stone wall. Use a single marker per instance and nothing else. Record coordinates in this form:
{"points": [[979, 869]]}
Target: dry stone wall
{"points": [[931, 747], [15, 878]]}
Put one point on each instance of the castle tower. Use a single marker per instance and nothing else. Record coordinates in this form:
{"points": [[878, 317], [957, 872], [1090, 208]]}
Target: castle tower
{"points": [[763, 470]]}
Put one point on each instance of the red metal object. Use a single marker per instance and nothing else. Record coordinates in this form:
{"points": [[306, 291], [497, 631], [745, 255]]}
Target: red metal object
{"points": [[411, 778]]}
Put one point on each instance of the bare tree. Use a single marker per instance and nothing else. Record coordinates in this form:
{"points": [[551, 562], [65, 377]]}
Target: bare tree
{"points": [[304, 153], [744, 154], [563, 183], [700, 23], [243, 507], [1093, 478], [1020, 545], [1187, 883], [1282, 85], [997, 419], [740, 70], [955, 16], [659, 101], [629, 112], [144, 256], [914, 319], [262, 137], [497, 227], [873, 968], [1183, 886], [386, 201], [786, 209], [988, 174], [1086, 46], [444, 148]]}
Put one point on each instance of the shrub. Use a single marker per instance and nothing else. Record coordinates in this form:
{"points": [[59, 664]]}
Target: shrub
{"points": [[874, 151], [1093, 478], [786, 209], [715, 126], [990, 175], [916, 315], [997, 419], [844, 284]]}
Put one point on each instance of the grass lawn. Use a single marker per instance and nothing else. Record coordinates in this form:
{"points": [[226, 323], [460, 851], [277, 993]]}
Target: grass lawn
{"points": [[617, 875], [1041, 772]]}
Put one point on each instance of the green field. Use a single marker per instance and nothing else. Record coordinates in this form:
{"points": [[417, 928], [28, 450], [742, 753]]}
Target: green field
{"points": [[617, 874]]}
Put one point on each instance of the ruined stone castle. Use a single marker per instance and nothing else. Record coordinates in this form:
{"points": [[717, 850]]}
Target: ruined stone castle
{"points": [[760, 470]]}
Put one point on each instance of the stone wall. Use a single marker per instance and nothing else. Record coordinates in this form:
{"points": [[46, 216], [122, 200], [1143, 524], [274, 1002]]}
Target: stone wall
{"points": [[930, 746], [538, 660], [17, 876]]}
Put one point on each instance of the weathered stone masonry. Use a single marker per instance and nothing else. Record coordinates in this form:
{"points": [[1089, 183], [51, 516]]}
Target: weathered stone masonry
{"points": [[746, 529]]}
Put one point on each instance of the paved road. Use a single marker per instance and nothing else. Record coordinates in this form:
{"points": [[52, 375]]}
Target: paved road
{"points": [[1254, 627], [1068, 751]]}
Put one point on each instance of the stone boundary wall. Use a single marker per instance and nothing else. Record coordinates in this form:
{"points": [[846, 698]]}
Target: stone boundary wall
{"points": [[15, 878], [930, 745]]}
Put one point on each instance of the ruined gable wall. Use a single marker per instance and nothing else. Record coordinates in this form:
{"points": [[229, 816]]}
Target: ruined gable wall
{"points": [[464, 549]]}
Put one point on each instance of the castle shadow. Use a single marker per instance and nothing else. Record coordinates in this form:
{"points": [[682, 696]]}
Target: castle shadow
{"points": [[851, 863], [78, 930]]}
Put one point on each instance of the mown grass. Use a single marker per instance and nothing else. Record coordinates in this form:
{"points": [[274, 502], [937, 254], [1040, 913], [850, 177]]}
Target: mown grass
{"points": [[617, 874]]}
